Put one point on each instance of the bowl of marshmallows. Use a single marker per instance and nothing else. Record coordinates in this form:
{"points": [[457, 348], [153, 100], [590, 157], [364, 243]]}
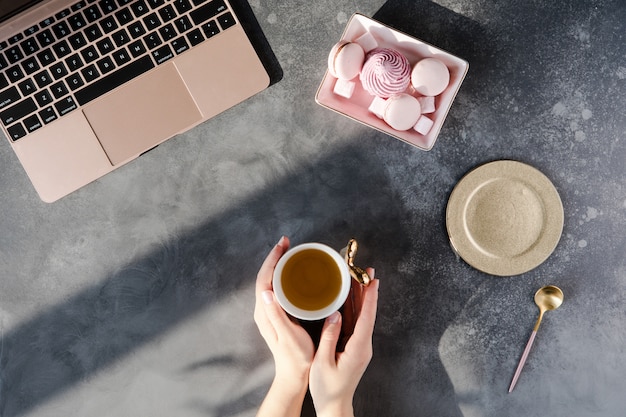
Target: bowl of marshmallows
{"points": [[391, 82]]}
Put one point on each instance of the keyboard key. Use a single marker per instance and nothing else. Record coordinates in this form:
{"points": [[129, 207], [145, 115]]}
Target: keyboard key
{"points": [[167, 32], [108, 6], [48, 115], [226, 20], [210, 28], [77, 22], [124, 16], [17, 131], [45, 38], [208, 11], [90, 73], [18, 111], [58, 70], [180, 45], [3, 81], [156, 3], [30, 65], [14, 54], [162, 54], [9, 96], [121, 57], [182, 6], [61, 30], [43, 98], [77, 40], [152, 40], [108, 24], [105, 46], [61, 49], [43, 78], [113, 80], [65, 106], [195, 37], [46, 57], [46, 22], [59, 89], [15, 74], [90, 54], [30, 46], [32, 123], [151, 21], [92, 13], [62, 14], [139, 8], [74, 62], [31, 30], [120, 38], [93, 33], [74, 81], [79, 5], [183, 24], [137, 48], [105, 65], [16, 38], [3, 62], [27, 87], [136, 30], [167, 13]]}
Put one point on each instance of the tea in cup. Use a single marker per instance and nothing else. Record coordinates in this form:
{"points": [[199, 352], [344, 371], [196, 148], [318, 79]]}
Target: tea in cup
{"points": [[311, 281]]}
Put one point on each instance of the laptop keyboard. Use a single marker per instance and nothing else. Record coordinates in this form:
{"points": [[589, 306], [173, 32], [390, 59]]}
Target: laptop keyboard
{"points": [[92, 47]]}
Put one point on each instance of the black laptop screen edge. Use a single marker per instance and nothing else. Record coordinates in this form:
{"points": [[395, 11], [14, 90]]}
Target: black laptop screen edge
{"points": [[9, 8]]}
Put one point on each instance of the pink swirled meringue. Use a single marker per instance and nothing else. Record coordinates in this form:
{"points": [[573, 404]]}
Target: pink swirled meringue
{"points": [[386, 72]]}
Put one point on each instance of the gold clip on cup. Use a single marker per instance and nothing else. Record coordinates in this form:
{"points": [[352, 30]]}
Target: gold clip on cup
{"points": [[359, 274]]}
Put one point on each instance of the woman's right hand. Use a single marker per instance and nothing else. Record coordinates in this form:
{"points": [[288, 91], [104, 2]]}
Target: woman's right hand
{"points": [[334, 376]]}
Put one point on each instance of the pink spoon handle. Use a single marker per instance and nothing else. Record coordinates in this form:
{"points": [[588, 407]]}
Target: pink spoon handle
{"points": [[522, 361]]}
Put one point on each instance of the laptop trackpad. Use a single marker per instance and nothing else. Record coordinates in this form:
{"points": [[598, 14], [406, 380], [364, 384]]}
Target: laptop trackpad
{"points": [[142, 114]]}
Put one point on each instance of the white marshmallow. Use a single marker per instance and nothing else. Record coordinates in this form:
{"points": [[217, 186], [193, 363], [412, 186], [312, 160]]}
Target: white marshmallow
{"points": [[367, 42], [344, 88], [427, 103], [378, 106], [423, 125]]}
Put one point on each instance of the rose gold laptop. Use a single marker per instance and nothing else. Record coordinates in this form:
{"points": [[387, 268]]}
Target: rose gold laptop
{"points": [[86, 86]]}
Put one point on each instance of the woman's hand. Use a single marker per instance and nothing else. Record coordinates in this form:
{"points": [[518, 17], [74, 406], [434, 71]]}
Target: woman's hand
{"points": [[290, 344], [334, 376]]}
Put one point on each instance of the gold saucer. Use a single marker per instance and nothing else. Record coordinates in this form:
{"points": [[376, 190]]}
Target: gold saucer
{"points": [[504, 218]]}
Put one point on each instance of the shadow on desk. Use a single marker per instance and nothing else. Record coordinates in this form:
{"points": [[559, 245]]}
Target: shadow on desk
{"points": [[347, 194]]}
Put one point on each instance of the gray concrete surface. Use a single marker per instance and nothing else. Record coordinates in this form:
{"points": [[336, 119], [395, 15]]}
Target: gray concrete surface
{"points": [[134, 295]]}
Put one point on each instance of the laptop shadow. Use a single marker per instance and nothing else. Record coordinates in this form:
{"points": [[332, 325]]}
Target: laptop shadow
{"points": [[258, 40]]}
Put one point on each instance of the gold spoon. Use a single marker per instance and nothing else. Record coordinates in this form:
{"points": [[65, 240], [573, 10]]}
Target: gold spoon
{"points": [[546, 298]]}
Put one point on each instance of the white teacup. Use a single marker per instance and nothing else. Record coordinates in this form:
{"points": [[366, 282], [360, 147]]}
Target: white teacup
{"points": [[311, 281]]}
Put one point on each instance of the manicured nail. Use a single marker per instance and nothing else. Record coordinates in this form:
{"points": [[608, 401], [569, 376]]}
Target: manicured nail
{"points": [[281, 242], [334, 318], [268, 297]]}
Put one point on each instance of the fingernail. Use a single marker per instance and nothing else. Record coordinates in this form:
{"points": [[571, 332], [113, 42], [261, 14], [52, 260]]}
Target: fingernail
{"points": [[268, 297], [281, 241], [334, 318]]}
